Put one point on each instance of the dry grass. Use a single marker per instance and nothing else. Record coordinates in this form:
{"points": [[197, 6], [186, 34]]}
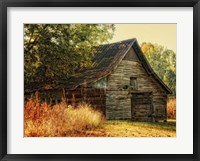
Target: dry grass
{"points": [[171, 108], [45, 120], [42, 119]]}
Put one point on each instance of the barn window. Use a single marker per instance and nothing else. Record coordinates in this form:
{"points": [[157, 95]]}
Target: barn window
{"points": [[133, 83]]}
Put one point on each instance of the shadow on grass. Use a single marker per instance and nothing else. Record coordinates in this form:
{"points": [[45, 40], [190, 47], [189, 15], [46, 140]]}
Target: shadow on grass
{"points": [[170, 125]]}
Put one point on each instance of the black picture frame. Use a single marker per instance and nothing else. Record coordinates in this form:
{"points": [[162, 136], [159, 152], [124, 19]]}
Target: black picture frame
{"points": [[4, 4]]}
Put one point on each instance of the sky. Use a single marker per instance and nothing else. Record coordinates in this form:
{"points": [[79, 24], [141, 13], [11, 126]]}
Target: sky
{"points": [[162, 34]]}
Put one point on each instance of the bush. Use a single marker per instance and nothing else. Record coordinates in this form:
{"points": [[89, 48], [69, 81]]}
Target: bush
{"points": [[171, 108], [42, 119]]}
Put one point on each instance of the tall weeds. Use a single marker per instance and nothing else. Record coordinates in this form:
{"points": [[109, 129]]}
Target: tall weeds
{"points": [[171, 108], [43, 119]]}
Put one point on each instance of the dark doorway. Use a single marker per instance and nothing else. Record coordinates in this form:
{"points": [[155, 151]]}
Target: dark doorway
{"points": [[141, 106]]}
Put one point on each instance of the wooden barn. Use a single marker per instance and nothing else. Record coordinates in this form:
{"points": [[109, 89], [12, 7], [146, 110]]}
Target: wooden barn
{"points": [[121, 84]]}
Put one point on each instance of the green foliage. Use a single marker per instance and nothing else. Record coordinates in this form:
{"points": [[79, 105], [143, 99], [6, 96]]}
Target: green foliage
{"points": [[163, 61], [54, 51]]}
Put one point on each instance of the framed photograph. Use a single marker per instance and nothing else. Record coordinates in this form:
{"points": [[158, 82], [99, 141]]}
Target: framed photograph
{"points": [[81, 79]]}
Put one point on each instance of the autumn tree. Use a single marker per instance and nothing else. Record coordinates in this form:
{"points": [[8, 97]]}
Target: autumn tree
{"points": [[54, 51], [163, 61]]}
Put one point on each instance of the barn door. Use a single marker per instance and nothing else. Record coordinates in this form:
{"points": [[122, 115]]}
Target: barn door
{"points": [[141, 106]]}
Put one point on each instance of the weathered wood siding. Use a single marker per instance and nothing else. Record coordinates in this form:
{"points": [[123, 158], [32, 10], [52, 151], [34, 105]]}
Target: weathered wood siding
{"points": [[118, 97], [102, 83], [93, 96]]}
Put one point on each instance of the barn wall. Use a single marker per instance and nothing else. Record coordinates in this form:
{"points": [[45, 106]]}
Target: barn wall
{"points": [[102, 83], [118, 98], [93, 96]]}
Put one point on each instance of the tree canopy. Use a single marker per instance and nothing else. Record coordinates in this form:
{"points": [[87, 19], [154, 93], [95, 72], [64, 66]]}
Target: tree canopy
{"points": [[163, 61], [54, 51]]}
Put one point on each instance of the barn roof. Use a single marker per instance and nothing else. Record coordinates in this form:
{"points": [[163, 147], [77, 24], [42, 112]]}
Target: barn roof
{"points": [[106, 60]]}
